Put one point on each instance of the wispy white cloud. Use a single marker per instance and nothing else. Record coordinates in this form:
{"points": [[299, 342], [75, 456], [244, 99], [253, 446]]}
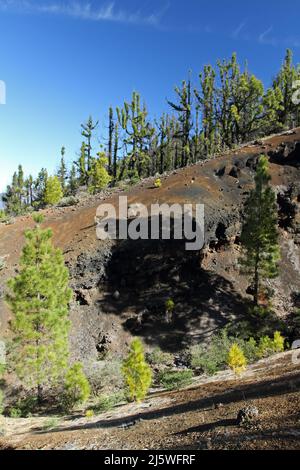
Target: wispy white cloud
{"points": [[84, 10], [265, 38], [236, 32]]}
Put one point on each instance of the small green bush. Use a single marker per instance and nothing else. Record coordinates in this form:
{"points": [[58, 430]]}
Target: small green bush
{"points": [[53, 191], [170, 305], [51, 424], [172, 380], [236, 359], [23, 407], [89, 414], [249, 349], [157, 357], [134, 179], [278, 342], [38, 218], [213, 358], [15, 412], [108, 402], [10, 220], [268, 346], [68, 201], [76, 387], [169, 308], [105, 376], [137, 373]]}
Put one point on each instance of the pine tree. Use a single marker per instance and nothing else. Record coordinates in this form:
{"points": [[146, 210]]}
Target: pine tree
{"points": [[53, 191], [164, 141], [116, 150], [229, 72], [247, 108], [38, 297], [284, 81], [82, 166], [133, 119], [273, 107], [184, 110], [76, 387], [62, 172], [99, 177], [111, 127], [87, 132], [206, 105], [137, 373], [11, 197], [236, 359], [40, 187], [29, 190], [73, 181], [20, 184], [259, 235]]}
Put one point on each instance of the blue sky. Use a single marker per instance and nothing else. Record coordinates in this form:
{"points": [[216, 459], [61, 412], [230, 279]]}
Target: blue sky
{"points": [[62, 60]]}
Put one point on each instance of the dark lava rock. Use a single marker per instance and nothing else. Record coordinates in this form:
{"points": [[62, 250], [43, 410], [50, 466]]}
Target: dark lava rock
{"points": [[247, 416]]}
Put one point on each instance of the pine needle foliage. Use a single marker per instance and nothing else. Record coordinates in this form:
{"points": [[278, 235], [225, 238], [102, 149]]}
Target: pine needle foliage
{"points": [[39, 297], [137, 373], [259, 235]]}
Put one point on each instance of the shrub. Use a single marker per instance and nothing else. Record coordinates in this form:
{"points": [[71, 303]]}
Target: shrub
{"points": [[169, 306], [105, 376], [157, 357], [268, 346], [76, 387], [68, 201], [89, 414], [249, 349], [108, 402], [99, 177], [204, 360], [133, 178], [213, 358], [53, 191], [175, 379], [278, 342], [137, 373], [157, 183], [236, 359], [10, 221], [15, 412], [38, 218], [50, 424], [23, 407]]}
